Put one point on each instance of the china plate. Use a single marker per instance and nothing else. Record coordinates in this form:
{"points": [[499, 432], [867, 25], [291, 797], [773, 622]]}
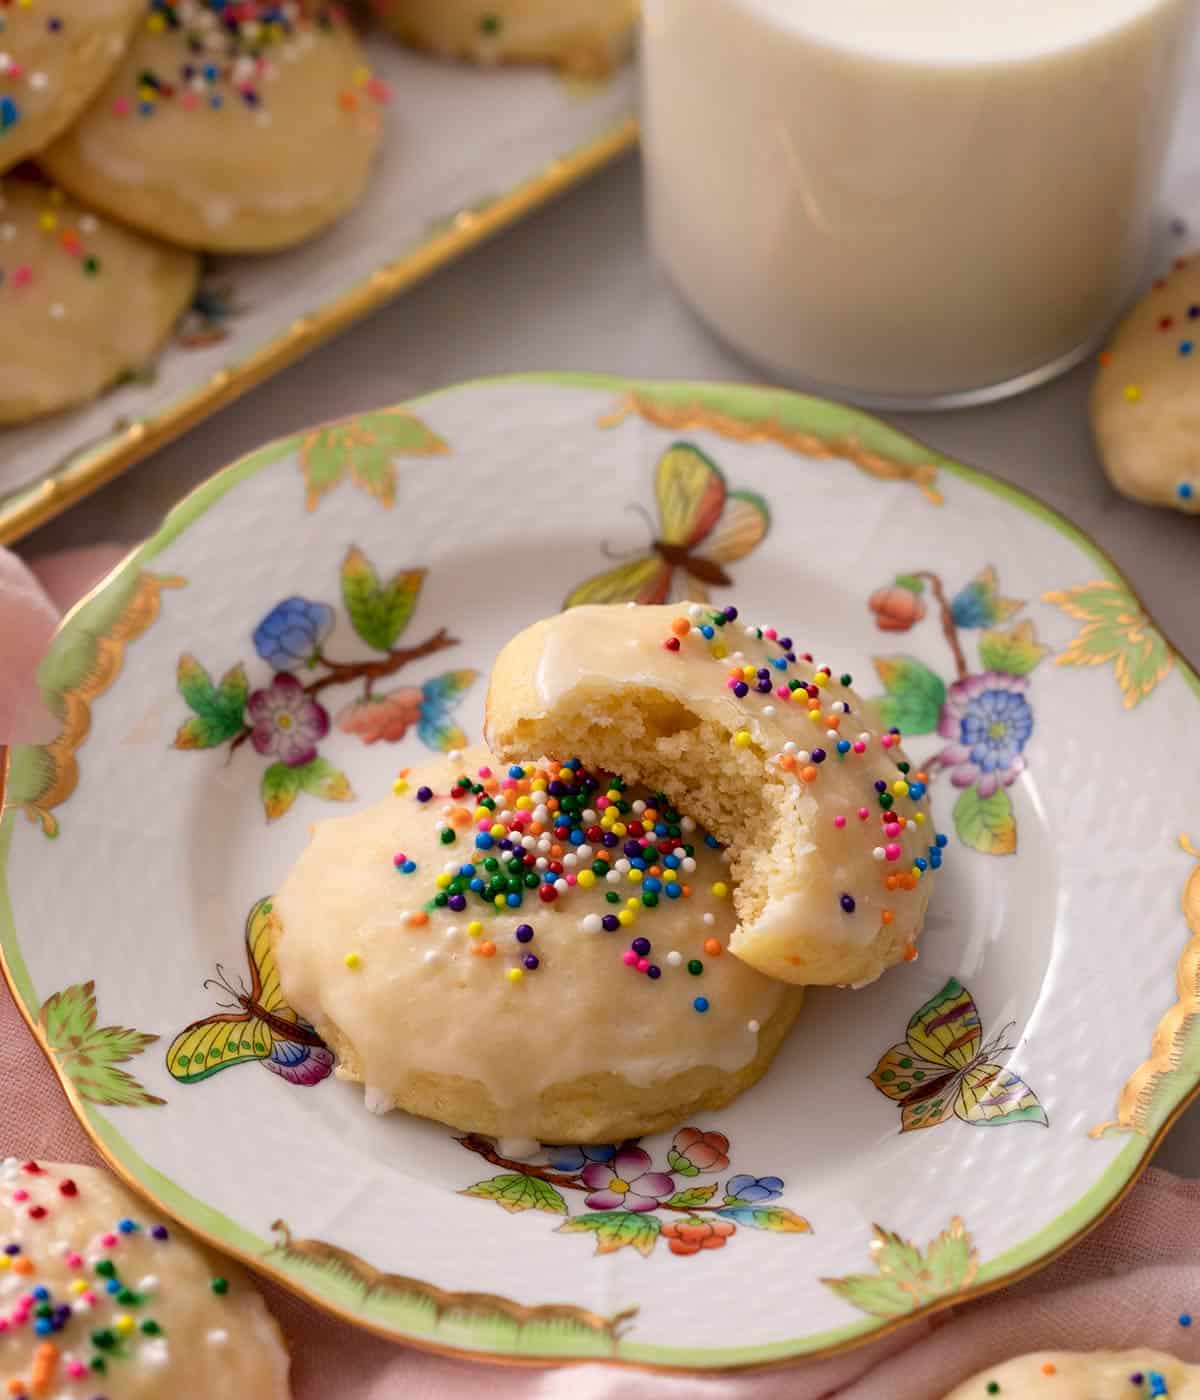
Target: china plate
{"points": [[1044, 1039], [467, 150]]}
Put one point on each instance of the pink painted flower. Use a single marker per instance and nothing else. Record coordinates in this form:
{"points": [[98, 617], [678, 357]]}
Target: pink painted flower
{"points": [[287, 724], [988, 721], [384, 717], [627, 1183]]}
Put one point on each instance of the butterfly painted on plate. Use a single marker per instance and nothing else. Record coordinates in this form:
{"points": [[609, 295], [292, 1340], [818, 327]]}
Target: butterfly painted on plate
{"points": [[259, 1024], [702, 527], [435, 726], [944, 1067]]}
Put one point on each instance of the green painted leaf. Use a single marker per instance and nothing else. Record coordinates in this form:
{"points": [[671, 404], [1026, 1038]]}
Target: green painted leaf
{"points": [[693, 1196], [197, 733], [1102, 601], [911, 582], [915, 695], [233, 689], [776, 1218], [1145, 659], [516, 1192], [323, 467], [195, 684], [1117, 631], [366, 446], [1015, 652], [895, 1256], [323, 780], [280, 784], [906, 1278], [986, 824], [950, 1261], [89, 1054], [881, 1297], [379, 611], [617, 1229], [105, 1084], [68, 1014], [218, 710]]}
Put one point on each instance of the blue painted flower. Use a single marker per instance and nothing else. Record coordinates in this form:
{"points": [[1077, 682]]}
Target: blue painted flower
{"points": [[753, 1188], [292, 632], [571, 1159], [988, 721]]}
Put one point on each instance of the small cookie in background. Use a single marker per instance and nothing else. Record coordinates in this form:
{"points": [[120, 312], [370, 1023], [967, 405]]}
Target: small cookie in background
{"points": [[1145, 405], [229, 128], [587, 38], [1083, 1375], [82, 301], [102, 1297], [54, 55]]}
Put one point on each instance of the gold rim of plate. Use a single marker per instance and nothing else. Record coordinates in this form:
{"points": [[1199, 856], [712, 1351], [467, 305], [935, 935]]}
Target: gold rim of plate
{"points": [[32, 506]]}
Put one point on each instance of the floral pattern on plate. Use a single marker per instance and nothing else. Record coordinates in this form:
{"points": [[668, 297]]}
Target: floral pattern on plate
{"points": [[284, 720], [985, 713], [157, 862], [631, 1204]]}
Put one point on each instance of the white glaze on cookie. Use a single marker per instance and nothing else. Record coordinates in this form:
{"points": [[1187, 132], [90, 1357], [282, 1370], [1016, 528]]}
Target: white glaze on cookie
{"points": [[99, 1297], [229, 129], [82, 300], [54, 54], [417, 988]]}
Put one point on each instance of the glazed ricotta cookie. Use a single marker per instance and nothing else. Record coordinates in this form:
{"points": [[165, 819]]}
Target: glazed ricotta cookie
{"points": [[230, 128], [99, 1297], [826, 822], [54, 54], [82, 300], [527, 951], [1145, 417], [585, 37], [1084, 1375]]}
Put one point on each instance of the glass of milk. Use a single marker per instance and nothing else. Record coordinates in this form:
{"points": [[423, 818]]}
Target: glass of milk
{"points": [[909, 203]]}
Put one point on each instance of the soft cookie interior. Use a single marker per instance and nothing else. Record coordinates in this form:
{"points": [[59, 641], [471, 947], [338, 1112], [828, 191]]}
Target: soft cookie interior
{"points": [[829, 880]]}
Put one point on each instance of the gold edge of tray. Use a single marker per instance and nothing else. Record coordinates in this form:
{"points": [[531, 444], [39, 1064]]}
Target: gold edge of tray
{"points": [[34, 505]]}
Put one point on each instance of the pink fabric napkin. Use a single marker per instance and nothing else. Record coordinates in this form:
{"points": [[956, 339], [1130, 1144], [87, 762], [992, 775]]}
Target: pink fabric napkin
{"points": [[1125, 1285]]}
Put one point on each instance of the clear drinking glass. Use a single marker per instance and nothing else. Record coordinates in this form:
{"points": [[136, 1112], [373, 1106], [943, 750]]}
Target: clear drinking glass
{"points": [[908, 203]]}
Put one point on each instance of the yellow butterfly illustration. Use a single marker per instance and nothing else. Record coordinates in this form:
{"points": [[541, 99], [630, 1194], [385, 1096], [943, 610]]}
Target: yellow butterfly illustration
{"points": [[257, 1025], [944, 1067], [695, 508]]}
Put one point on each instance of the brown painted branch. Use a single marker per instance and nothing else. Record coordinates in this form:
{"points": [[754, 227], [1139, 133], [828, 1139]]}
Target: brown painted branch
{"points": [[489, 1154], [949, 631], [343, 672]]}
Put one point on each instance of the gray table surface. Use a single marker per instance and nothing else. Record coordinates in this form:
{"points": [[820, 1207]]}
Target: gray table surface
{"points": [[575, 288]]}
